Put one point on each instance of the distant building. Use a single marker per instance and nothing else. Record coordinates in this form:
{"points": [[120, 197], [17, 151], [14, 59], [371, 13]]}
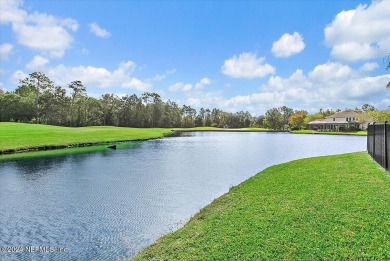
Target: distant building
{"points": [[345, 120]]}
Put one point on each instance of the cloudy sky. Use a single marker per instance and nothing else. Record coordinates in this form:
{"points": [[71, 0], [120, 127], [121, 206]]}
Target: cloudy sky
{"points": [[246, 55]]}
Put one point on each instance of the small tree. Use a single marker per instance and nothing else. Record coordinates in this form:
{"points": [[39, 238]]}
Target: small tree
{"points": [[297, 119], [274, 119]]}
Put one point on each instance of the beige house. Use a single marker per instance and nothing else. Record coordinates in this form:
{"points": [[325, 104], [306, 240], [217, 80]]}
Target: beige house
{"points": [[338, 121]]}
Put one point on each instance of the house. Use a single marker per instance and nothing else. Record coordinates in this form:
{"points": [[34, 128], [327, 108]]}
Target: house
{"points": [[346, 120]]}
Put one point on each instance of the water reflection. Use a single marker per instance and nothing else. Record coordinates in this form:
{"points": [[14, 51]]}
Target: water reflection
{"points": [[109, 204], [34, 165]]}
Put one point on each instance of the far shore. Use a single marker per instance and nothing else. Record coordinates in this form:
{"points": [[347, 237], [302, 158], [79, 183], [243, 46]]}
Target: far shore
{"points": [[16, 138]]}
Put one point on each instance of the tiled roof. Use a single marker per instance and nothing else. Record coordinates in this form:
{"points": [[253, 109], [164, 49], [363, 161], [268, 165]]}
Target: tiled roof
{"points": [[332, 122], [317, 122], [344, 114]]}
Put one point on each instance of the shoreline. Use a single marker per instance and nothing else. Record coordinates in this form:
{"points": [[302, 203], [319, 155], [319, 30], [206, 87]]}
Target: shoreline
{"points": [[70, 146], [286, 212], [102, 138]]}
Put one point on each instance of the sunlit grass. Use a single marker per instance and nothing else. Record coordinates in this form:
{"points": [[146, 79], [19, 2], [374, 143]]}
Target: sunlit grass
{"points": [[323, 208], [19, 136]]}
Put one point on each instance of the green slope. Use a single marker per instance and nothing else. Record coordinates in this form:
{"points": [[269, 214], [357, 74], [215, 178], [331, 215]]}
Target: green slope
{"points": [[19, 136], [332, 208]]}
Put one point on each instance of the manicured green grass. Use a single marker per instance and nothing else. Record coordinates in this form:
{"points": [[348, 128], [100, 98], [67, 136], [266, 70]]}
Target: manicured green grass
{"points": [[21, 136], [15, 136], [359, 133], [323, 208]]}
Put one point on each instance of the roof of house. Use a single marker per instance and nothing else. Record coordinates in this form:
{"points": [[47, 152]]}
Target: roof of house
{"points": [[317, 122], [344, 114], [331, 123]]}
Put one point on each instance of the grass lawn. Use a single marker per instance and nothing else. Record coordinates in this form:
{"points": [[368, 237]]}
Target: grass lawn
{"points": [[332, 208], [15, 136], [22, 136], [359, 133]]}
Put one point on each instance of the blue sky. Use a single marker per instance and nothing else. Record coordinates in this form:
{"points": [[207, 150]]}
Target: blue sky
{"points": [[233, 55]]}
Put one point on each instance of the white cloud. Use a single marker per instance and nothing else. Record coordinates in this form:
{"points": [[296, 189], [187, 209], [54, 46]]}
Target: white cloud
{"points": [[368, 67], [180, 87], [360, 34], [330, 85], [305, 92], [98, 31], [330, 71], [94, 77], [246, 65], [37, 62], [18, 75], [384, 103], [160, 77], [202, 83], [266, 98], [54, 39], [70, 23], [5, 50], [10, 12], [288, 45], [205, 99], [38, 31]]}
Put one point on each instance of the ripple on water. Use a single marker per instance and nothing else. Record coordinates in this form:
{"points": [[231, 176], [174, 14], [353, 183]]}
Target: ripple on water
{"points": [[109, 205]]}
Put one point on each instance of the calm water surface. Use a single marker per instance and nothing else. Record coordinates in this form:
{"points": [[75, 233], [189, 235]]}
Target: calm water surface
{"points": [[108, 205]]}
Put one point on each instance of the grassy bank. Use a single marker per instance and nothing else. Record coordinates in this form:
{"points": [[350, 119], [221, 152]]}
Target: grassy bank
{"points": [[359, 133], [334, 207], [20, 136]]}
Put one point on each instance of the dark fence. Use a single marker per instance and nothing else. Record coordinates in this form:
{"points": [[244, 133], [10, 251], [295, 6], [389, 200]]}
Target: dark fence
{"points": [[378, 143]]}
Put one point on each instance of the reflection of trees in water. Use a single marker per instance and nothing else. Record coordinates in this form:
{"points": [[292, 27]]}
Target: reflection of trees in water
{"points": [[182, 134], [40, 166], [37, 167]]}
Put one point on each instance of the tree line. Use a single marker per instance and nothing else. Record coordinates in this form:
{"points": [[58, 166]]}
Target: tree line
{"points": [[38, 100]]}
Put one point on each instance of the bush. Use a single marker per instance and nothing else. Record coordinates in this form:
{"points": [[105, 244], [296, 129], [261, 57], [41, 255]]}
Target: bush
{"points": [[343, 128]]}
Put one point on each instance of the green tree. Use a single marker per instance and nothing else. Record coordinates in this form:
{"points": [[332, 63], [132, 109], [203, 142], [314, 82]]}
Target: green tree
{"points": [[208, 119], [375, 116], [110, 108], [286, 113], [77, 95], [188, 116], [274, 119], [38, 82], [296, 120], [259, 121], [367, 107], [14, 107], [153, 109], [93, 111]]}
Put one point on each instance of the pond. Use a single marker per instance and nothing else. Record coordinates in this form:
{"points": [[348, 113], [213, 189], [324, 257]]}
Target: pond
{"points": [[110, 204]]}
